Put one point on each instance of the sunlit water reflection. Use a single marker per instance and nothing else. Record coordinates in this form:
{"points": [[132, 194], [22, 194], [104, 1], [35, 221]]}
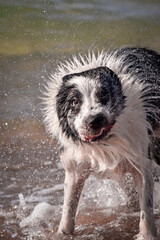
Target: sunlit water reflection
{"points": [[35, 35]]}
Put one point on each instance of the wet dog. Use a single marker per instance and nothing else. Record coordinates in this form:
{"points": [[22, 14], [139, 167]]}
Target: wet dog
{"points": [[104, 110]]}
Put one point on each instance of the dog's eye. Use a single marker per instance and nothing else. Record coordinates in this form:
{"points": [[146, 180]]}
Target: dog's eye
{"points": [[103, 96], [104, 99], [74, 102]]}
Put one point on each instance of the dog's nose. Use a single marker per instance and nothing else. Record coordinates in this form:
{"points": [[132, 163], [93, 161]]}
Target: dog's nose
{"points": [[98, 121]]}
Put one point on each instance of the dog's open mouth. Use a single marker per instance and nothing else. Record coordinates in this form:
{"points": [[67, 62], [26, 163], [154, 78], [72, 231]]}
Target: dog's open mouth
{"points": [[101, 134]]}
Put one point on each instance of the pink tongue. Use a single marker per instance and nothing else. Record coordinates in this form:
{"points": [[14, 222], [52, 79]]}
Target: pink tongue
{"points": [[90, 137]]}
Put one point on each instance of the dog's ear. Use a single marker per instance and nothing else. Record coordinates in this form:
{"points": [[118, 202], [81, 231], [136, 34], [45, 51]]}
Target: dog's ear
{"points": [[107, 78], [100, 72], [66, 78], [104, 74]]}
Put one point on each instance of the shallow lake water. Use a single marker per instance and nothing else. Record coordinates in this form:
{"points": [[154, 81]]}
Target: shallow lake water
{"points": [[34, 37]]}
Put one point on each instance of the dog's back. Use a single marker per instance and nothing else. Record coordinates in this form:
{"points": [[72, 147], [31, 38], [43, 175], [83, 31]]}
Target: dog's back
{"points": [[144, 65]]}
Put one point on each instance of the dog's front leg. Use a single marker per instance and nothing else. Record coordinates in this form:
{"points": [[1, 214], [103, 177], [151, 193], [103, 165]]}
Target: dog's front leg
{"points": [[73, 185], [144, 183]]}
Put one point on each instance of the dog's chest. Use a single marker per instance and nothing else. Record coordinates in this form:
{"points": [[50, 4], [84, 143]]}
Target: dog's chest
{"points": [[99, 158], [104, 156]]}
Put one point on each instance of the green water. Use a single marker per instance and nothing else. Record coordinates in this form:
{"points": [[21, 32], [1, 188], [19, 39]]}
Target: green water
{"points": [[28, 27]]}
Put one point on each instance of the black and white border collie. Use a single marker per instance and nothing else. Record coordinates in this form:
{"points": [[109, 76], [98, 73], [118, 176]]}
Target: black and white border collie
{"points": [[104, 109]]}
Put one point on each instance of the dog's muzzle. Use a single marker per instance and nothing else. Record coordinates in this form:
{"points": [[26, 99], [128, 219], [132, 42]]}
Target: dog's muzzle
{"points": [[98, 126]]}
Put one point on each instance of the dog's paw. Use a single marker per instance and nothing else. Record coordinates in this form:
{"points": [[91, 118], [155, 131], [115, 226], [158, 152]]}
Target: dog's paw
{"points": [[143, 237], [66, 228]]}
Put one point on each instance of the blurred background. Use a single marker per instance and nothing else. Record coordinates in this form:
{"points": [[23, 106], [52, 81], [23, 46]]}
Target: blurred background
{"points": [[34, 37]]}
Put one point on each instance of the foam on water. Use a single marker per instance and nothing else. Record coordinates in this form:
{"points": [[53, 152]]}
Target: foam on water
{"points": [[41, 218], [102, 194], [41, 212]]}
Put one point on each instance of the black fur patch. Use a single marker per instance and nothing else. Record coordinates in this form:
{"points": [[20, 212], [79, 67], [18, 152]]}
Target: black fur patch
{"points": [[65, 109], [144, 64], [110, 91]]}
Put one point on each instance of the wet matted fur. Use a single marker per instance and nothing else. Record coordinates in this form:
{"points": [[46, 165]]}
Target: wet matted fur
{"points": [[104, 110]]}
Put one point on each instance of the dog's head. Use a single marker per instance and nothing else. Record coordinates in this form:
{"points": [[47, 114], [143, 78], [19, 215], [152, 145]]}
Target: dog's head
{"points": [[88, 104]]}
